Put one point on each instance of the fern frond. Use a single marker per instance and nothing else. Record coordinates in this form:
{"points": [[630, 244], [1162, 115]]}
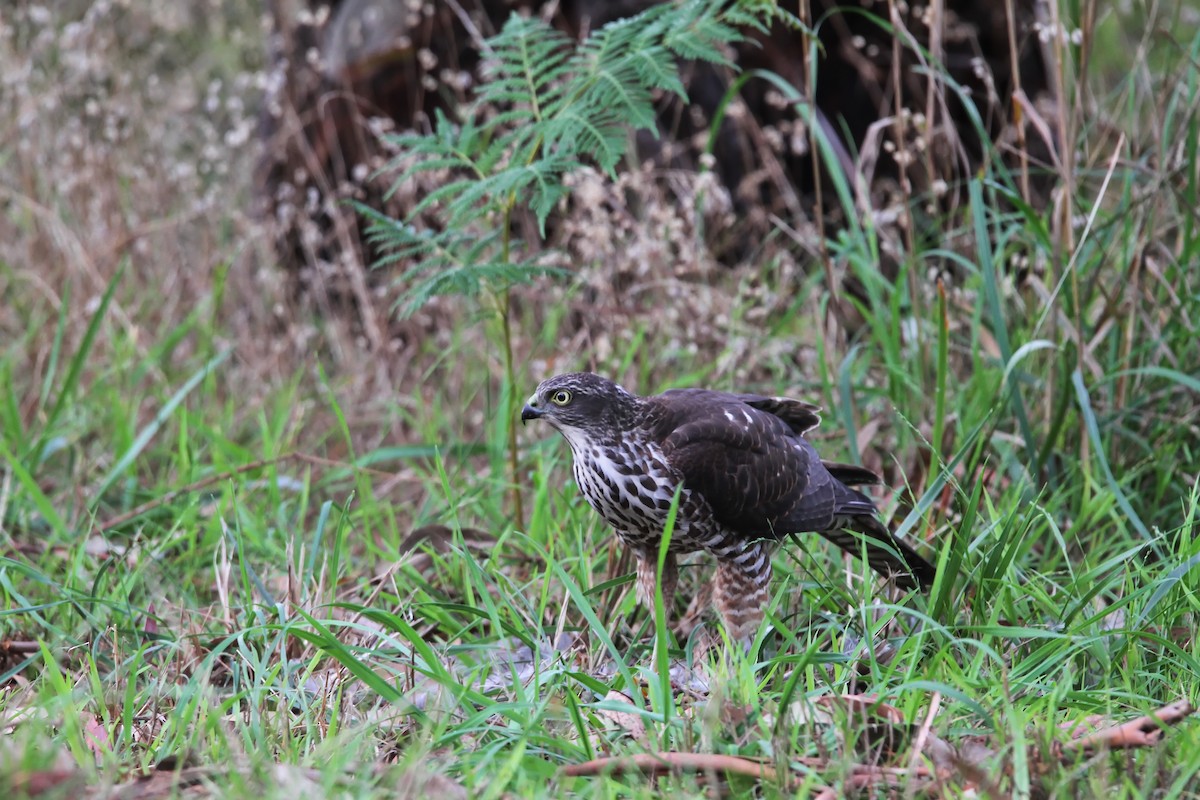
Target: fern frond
{"points": [[545, 107], [450, 147], [602, 136], [403, 242], [759, 14], [470, 280], [701, 31], [538, 184], [450, 193], [528, 65]]}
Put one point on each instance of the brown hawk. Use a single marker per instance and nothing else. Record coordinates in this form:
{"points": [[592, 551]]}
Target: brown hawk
{"points": [[746, 476]]}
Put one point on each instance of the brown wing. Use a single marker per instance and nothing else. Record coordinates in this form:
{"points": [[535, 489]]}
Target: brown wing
{"points": [[762, 480], [800, 416], [756, 474], [803, 417]]}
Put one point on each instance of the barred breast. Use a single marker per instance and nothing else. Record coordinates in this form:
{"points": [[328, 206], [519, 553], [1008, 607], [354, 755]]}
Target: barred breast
{"points": [[636, 500]]}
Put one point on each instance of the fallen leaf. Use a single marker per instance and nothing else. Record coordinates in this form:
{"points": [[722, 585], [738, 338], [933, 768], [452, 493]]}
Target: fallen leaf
{"points": [[95, 735], [628, 721]]}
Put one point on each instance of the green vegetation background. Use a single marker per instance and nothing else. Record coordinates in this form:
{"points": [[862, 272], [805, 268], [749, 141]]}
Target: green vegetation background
{"points": [[206, 487]]}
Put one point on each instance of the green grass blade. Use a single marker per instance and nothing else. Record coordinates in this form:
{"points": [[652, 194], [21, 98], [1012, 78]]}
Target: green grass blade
{"points": [[74, 370], [149, 432], [1093, 429]]}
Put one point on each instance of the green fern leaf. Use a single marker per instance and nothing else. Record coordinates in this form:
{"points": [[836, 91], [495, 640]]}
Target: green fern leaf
{"points": [[544, 108]]}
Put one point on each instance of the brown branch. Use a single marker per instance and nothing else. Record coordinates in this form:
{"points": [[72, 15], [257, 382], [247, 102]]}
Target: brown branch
{"points": [[924, 734], [864, 776], [1141, 732], [663, 763], [861, 776]]}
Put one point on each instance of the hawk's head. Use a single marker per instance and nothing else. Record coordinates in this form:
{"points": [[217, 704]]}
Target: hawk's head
{"points": [[581, 404]]}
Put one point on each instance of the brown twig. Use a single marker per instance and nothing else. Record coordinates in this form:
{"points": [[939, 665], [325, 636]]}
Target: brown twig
{"points": [[863, 776], [1144, 731], [866, 776], [923, 735], [860, 777], [663, 763], [1141, 732]]}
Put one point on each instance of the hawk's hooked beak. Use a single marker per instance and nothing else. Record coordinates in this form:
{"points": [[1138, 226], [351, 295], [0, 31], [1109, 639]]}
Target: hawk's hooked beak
{"points": [[531, 411]]}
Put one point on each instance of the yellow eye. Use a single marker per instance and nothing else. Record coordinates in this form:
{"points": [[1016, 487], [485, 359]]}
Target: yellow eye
{"points": [[561, 397]]}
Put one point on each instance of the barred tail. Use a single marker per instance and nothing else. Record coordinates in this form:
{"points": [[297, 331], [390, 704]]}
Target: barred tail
{"points": [[886, 554]]}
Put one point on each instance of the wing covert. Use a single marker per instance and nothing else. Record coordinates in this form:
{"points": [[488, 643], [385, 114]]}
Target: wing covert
{"points": [[748, 464]]}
